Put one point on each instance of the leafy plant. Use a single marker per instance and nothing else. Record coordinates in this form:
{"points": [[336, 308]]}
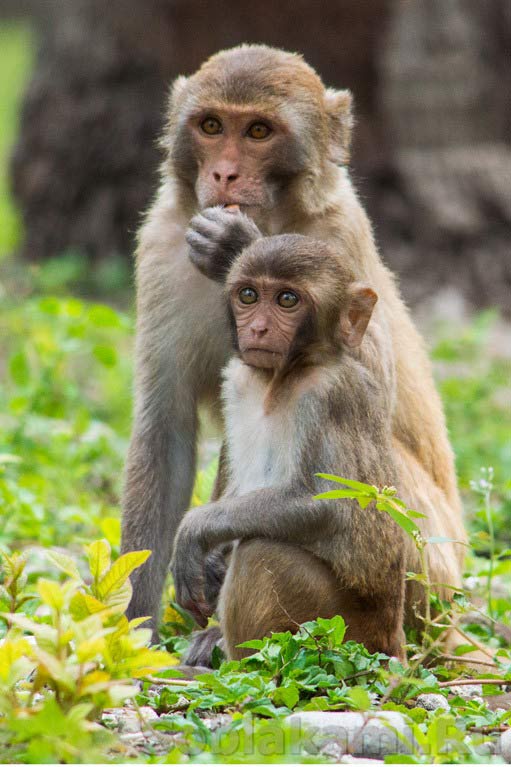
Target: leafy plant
{"points": [[77, 655]]}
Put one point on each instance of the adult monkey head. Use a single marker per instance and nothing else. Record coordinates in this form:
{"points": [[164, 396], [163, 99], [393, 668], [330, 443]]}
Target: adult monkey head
{"points": [[257, 128]]}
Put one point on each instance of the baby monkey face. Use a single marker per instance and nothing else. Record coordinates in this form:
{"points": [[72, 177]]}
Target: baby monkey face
{"points": [[268, 315]]}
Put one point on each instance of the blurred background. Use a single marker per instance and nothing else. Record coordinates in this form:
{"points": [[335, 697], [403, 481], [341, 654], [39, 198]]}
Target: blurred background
{"points": [[83, 86], [432, 151]]}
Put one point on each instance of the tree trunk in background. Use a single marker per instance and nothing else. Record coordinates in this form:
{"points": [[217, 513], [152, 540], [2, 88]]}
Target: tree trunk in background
{"points": [[443, 204], [431, 154]]}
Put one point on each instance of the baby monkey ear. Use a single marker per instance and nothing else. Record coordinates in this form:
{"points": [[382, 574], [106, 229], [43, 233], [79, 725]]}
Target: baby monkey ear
{"points": [[355, 317]]}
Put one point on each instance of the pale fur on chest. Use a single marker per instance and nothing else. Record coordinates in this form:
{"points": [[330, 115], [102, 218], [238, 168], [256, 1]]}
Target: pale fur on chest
{"points": [[260, 445]]}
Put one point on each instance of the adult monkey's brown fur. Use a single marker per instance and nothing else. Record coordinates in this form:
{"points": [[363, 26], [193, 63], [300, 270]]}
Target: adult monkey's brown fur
{"points": [[182, 335]]}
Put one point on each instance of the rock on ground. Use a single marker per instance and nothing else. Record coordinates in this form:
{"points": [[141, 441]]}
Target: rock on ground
{"points": [[432, 701], [372, 736], [505, 746]]}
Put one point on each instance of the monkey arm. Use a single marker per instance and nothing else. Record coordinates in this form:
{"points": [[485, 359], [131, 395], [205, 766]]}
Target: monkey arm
{"points": [[216, 237], [275, 513]]}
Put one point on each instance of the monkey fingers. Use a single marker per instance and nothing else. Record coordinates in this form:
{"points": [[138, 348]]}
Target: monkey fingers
{"points": [[189, 583], [202, 250]]}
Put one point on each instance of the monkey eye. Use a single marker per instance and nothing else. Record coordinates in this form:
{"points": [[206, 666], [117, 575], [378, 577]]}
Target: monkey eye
{"points": [[247, 296], [211, 126], [259, 131], [287, 299]]}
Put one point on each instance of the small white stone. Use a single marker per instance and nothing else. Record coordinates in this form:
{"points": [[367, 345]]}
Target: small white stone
{"points": [[127, 720], [432, 702], [468, 691], [148, 713], [364, 735], [505, 746]]}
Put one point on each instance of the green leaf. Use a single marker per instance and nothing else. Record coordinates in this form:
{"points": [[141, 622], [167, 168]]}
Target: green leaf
{"points": [[410, 512], [19, 368], [120, 571], [51, 593], [103, 316], [359, 699], [55, 669], [99, 555], [64, 563], [82, 605], [360, 486], [404, 523], [463, 649], [118, 600], [287, 695], [106, 354], [41, 631]]}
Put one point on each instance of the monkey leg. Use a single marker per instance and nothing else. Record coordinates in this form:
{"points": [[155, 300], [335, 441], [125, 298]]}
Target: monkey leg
{"points": [[272, 586]]}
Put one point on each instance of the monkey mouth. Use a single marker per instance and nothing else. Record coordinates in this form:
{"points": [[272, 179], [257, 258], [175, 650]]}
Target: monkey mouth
{"points": [[260, 349], [244, 205], [257, 357]]}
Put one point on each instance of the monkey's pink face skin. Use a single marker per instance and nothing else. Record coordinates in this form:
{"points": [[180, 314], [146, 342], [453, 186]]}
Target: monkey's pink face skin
{"points": [[239, 154], [268, 315]]}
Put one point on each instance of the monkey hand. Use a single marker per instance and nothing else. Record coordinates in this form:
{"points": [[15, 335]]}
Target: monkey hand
{"points": [[188, 574], [216, 237]]}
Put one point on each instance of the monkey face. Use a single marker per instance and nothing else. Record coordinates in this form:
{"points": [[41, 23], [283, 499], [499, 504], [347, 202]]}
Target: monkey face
{"points": [[241, 157], [268, 315]]}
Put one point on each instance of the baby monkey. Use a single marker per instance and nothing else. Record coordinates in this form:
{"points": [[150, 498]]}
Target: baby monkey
{"points": [[298, 398]]}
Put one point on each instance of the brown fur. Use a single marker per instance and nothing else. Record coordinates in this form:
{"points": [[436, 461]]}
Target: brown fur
{"points": [[182, 331], [331, 412]]}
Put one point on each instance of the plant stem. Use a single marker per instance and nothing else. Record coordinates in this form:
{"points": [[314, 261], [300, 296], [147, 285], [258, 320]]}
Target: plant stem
{"points": [[488, 487], [457, 682], [427, 592]]}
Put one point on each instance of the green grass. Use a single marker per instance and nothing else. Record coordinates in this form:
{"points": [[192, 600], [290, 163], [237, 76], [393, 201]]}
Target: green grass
{"points": [[16, 58]]}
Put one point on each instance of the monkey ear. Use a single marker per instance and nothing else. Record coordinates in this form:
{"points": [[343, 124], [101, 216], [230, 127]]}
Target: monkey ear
{"points": [[340, 123], [174, 108], [177, 90], [355, 318]]}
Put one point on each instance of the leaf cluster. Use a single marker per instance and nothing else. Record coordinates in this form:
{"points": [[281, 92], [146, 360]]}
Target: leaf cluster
{"points": [[77, 655]]}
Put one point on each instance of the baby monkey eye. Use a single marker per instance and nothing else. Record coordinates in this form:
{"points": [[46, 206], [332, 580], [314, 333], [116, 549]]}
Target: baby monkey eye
{"points": [[247, 296], [211, 126], [259, 131], [287, 299]]}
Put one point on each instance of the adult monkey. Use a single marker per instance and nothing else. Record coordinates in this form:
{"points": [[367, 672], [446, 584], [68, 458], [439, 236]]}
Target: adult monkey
{"points": [[254, 127]]}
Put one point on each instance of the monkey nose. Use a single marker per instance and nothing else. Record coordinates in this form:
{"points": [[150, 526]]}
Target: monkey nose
{"points": [[259, 331], [224, 179]]}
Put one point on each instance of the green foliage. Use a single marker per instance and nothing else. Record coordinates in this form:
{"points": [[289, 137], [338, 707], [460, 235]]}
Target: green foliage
{"points": [[312, 670], [64, 420], [76, 655], [15, 45], [315, 670], [474, 382], [384, 500]]}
